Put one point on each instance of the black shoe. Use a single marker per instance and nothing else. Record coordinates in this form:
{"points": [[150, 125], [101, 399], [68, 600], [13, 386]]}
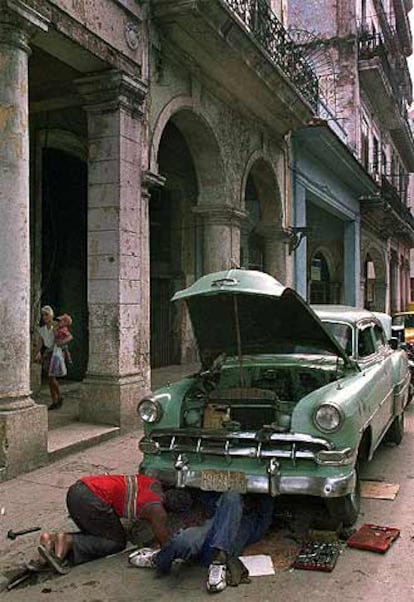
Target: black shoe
{"points": [[164, 559], [56, 404]]}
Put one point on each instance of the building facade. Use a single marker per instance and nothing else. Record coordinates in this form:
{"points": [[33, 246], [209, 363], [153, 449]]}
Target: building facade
{"points": [[143, 143], [359, 49], [367, 90]]}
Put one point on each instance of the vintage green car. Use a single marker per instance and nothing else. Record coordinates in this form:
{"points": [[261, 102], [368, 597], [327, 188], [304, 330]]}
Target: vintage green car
{"points": [[289, 399]]}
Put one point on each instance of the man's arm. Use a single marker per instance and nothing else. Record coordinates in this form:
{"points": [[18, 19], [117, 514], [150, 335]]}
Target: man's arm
{"points": [[157, 516]]}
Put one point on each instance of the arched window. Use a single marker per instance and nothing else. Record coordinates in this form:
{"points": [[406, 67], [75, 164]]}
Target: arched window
{"points": [[320, 290], [251, 244], [369, 277]]}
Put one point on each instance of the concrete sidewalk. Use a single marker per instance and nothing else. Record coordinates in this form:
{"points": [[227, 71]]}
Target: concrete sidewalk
{"points": [[38, 497], [67, 435]]}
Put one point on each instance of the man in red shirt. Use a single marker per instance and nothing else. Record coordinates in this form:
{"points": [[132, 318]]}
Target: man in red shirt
{"points": [[96, 504]]}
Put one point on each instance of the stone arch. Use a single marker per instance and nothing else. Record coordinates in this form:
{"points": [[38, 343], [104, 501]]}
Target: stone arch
{"points": [[262, 235], [202, 142], [269, 186], [374, 289], [329, 258], [320, 290], [378, 256], [63, 140], [189, 214]]}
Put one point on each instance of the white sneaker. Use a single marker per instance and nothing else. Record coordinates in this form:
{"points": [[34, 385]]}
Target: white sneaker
{"points": [[143, 558], [216, 581]]}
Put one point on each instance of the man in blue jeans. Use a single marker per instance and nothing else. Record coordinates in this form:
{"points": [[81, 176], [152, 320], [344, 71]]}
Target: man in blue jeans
{"points": [[237, 521]]}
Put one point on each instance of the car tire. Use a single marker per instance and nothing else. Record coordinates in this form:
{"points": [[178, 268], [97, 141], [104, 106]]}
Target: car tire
{"points": [[346, 509], [395, 433]]}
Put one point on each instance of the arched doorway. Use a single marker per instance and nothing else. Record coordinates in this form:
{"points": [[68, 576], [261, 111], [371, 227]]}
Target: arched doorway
{"points": [[373, 272], [64, 247], [251, 242], [261, 242], [369, 283], [320, 280], [173, 244]]}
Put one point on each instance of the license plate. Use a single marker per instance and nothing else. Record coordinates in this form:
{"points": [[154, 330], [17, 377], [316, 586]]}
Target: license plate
{"points": [[223, 480]]}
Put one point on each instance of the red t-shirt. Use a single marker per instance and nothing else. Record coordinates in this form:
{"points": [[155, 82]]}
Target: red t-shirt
{"points": [[127, 494]]}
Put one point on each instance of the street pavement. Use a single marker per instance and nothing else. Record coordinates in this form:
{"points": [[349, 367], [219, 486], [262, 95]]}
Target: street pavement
{"points": [[38, 499]]}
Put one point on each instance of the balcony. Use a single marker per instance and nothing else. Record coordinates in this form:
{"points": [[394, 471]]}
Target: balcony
{"points": [[242, 47], [378, 78], [392, 218], [379, 81]]}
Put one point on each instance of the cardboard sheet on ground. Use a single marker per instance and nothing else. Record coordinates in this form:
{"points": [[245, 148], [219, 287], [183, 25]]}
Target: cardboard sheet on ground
{"points": [[379, 490], [282, 551], [258, 565]]}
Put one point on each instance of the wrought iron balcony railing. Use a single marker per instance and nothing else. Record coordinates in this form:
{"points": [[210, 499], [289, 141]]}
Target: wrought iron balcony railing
{"points": [[268, 31], [372, 45], [397, 200]]}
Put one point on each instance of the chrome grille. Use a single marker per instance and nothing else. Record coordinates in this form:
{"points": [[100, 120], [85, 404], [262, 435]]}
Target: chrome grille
{"points": [[248, 444]]}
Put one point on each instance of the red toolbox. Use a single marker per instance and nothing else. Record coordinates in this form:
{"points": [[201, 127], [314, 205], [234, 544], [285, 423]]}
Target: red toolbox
{"points": [[374, 538]]}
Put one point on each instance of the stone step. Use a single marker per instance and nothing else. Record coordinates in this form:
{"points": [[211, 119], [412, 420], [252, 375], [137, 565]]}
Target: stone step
{"points": [[77, 436]]}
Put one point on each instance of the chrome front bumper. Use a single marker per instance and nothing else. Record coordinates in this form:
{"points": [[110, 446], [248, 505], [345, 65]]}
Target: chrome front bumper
{"points": [[273, 483]]}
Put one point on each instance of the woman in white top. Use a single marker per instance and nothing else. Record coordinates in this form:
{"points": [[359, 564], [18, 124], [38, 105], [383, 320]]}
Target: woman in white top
{"points": [[44, 353]]}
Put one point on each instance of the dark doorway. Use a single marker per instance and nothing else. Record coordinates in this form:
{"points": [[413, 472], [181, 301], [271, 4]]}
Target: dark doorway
{"points": [[164, 347], [320, 291], [64, 247], [251, 243], [172, 244]]}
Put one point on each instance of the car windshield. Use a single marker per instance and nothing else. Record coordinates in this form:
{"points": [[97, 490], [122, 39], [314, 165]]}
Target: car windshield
{"points": [[407, 321], [342, 333]]}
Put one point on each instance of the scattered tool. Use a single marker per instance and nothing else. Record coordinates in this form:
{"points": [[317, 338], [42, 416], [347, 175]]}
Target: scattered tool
{"points": [[317, 556], [18, 580], [13, 534]]}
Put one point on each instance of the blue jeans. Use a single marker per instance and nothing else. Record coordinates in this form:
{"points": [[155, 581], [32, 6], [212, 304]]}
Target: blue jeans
{"points": [[230, 530]]}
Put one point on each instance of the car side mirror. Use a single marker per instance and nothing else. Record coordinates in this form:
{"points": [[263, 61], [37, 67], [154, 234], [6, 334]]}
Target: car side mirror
{"points": [[394, 342]]}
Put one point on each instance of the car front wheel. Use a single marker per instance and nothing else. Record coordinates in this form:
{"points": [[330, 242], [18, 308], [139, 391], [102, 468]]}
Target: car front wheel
{"points": [[346, 509]]}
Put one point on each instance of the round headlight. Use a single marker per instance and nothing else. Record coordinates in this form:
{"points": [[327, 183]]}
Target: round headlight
{"points": [[328, 418], [149, 410]]}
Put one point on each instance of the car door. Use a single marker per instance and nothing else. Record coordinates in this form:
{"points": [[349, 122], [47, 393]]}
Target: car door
{"points": [[374, 358]]}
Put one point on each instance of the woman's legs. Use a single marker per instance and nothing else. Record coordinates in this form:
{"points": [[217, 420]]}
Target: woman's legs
{"points": [[55, 393], [54, 389]]}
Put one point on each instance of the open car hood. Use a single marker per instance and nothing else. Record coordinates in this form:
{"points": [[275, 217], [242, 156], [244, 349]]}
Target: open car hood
{"points": [[250, 312]]}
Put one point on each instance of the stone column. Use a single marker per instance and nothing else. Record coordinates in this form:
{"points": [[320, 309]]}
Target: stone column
{"points": [[118, 255], [393, 281], [352, 263], [23, 424], [221, 236], [275, 249], [380, 296], [301, 253]]}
